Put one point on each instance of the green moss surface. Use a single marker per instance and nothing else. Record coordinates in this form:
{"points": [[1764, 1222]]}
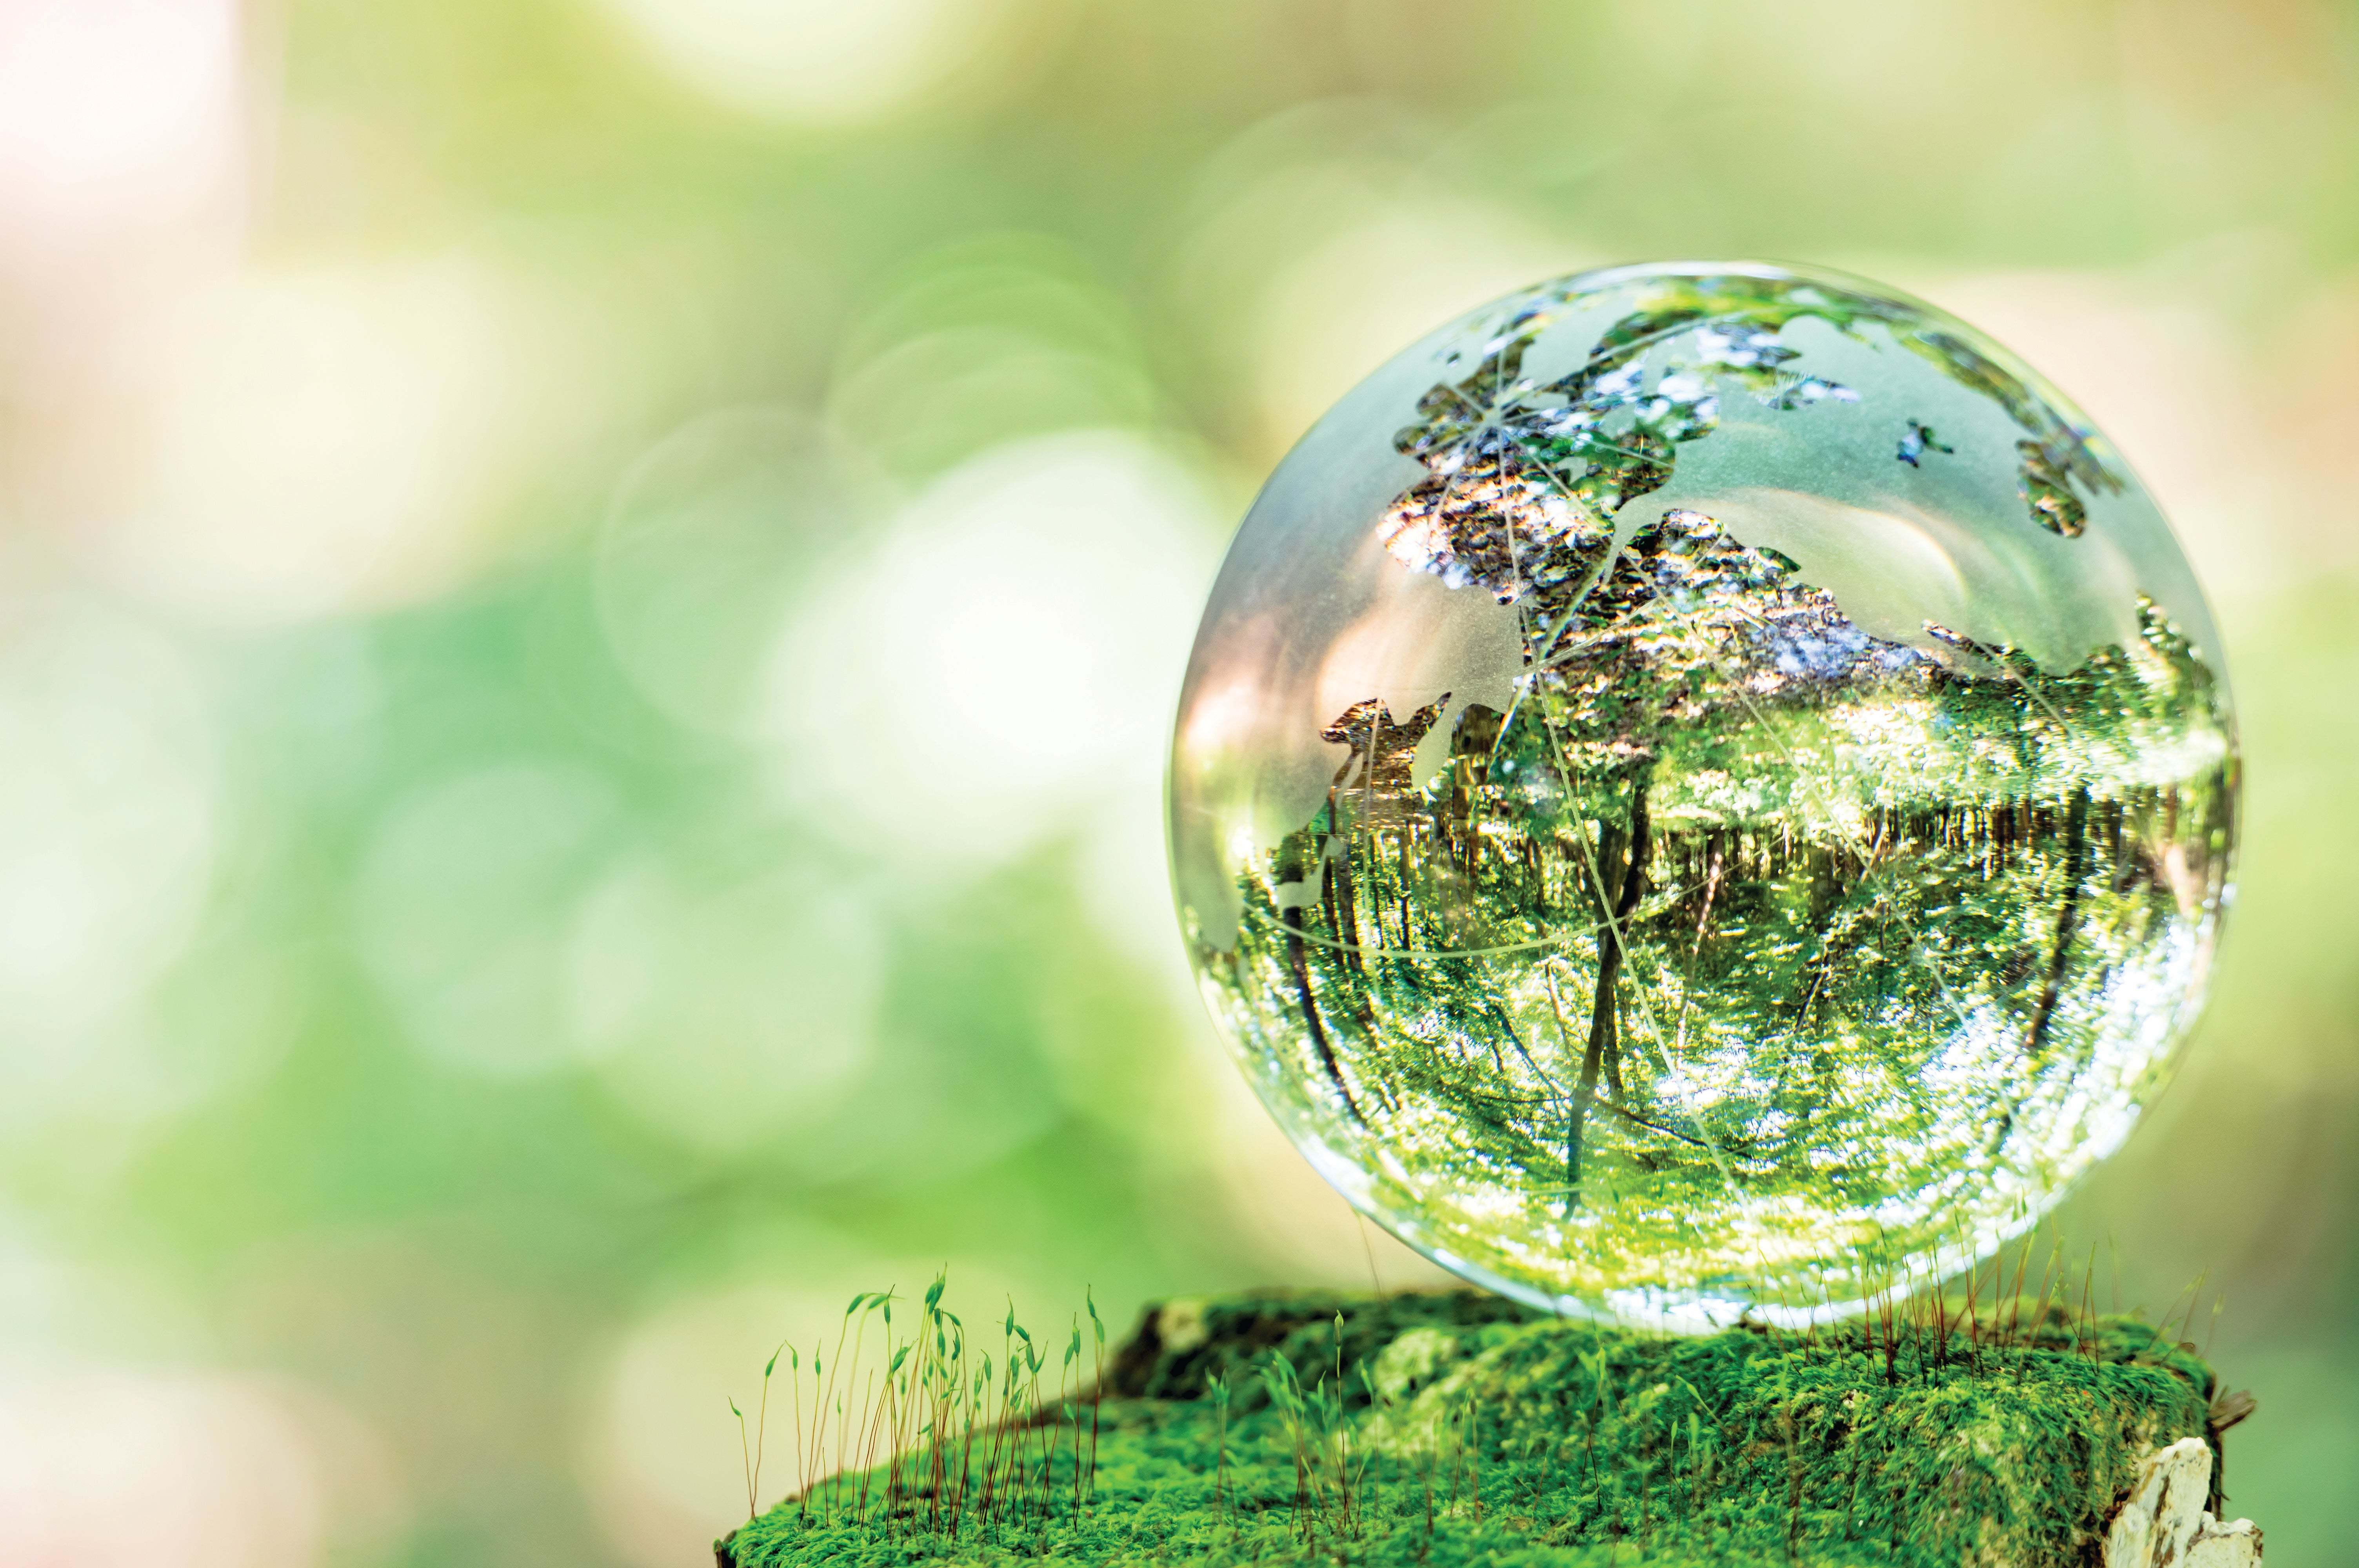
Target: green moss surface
{"points": [[1458, 1429]]}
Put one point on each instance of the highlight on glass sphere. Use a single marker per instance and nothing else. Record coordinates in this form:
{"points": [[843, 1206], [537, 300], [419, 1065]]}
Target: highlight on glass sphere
{"points": [[1704, 787]]}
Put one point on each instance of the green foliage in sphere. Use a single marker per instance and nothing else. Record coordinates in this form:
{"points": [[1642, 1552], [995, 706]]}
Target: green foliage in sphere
{"points": [[1704, 787]]}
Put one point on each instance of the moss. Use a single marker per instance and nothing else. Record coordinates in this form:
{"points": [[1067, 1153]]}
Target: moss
{"points": [[1457, 1428]]}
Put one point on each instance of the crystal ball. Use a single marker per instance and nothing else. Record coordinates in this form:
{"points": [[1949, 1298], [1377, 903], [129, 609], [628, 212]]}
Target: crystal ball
{"points": [[1704, 788]]}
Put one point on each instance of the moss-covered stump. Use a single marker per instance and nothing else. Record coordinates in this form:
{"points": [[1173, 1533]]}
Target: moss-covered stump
{"points": [[1458, 1428]]}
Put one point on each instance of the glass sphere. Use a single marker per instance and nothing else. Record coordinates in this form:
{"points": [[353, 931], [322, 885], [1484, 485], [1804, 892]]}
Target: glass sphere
{"points": [[1704, 786]]}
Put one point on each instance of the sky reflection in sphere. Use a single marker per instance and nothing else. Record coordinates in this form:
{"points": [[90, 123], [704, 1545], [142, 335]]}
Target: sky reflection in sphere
{"points": [[1704, 786]]}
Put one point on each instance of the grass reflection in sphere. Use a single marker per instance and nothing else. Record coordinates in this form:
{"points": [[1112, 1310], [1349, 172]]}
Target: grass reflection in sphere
{"points": [[1704, 786]]}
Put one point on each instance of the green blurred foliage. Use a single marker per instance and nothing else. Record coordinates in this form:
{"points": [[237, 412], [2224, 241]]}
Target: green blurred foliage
{"points": [[546, 1025]]}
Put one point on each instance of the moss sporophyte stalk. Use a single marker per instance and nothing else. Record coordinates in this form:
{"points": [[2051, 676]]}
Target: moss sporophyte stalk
{"points": [[1703, 789], [1460, 1428]]}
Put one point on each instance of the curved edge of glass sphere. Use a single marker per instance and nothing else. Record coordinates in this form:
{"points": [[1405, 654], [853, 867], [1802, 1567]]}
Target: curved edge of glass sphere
{"points": [[1823, 602]]}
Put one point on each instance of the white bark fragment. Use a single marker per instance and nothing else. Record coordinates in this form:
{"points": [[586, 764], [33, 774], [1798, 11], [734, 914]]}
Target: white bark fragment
{"points": [[2218, 1545], [2164, 1525]]}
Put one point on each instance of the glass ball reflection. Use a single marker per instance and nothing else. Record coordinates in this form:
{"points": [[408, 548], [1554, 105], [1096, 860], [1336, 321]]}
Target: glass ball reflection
{"points": [[1704, 787]]}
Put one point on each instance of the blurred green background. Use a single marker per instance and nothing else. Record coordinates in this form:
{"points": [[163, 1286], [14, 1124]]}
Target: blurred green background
{"points": [[541, 541]]}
